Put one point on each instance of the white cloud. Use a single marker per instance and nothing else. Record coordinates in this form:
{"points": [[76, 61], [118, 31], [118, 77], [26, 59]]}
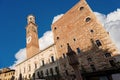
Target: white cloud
{"points": [[111, 22], [20, 56], [113, 16], [57, 17], [101, 17], [46, 40]]}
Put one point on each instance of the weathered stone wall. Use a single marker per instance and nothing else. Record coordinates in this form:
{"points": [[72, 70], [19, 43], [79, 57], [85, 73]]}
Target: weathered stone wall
{"points": [[80, 28]]}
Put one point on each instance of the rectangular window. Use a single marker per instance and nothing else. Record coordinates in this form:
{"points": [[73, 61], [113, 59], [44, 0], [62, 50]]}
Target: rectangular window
{"points": [[43, 63], [51, 71], [98, 43], [52, 58], [47, 73], [24, 69], [29, 75], [107, 55], [66, 71], [41, 73], [78, 50], [38, 74], [57, 70], [29, 68], [35, 65], [63, 55]]}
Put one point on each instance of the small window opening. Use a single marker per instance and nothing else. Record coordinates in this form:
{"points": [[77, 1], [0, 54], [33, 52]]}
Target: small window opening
{"points": [[81, 8], [63, 55], [107, 55], [29, 75], [98, 43], [74, 39], [52, 59], [91, 31], [57, 70], [43, 63], [55, 28], [41, 73], [29, 68], [78, 50], [35, 66], [47, 73], [66, 71], [88, 19], [51, 71], [30, 18], [57, 38]]}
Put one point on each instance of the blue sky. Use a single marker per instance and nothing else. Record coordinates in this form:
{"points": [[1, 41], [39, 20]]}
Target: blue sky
{"points": [[13, 15]]}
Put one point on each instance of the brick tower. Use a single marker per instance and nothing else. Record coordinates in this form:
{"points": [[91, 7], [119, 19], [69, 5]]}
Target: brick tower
{"points": [[81, 29], [32, 44]]}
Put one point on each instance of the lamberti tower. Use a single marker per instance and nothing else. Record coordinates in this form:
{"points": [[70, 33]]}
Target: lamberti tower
{"points": [[32, 44]]}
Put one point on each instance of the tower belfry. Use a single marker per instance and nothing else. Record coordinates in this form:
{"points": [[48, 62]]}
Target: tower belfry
{"points": [[31, 18], [32, 43]]}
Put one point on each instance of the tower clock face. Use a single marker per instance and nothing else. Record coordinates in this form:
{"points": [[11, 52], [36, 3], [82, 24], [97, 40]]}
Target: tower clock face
{"points": [[29, 39]]}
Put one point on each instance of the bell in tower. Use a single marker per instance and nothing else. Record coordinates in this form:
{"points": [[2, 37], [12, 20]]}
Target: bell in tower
{"points": [[30, 19]]}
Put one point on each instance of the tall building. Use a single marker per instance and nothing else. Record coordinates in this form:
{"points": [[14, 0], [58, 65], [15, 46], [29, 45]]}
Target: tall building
{"points": [[7, 74], [38, 61], [32, 44], [87, 37]]}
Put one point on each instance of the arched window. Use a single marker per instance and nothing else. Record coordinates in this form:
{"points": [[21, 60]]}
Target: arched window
{"points": [[81, 8], [87, 19]]}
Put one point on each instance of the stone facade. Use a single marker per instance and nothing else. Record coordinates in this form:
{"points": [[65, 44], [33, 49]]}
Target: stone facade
{"points": [[32, 44], [87, 37], [37, 62], [7, 74], [81, 29]]}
